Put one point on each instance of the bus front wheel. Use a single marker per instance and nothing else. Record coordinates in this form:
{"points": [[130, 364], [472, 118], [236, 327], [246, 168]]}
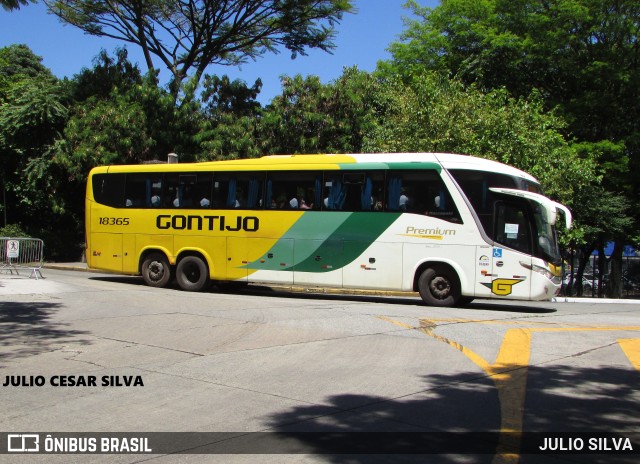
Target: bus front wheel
{"points": [[192, 273], [439, 286], [156, 271]]}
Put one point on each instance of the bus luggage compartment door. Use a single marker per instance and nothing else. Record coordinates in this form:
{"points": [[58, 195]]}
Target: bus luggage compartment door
{"points": [[106, 251], [318, 262], [260, 260]]}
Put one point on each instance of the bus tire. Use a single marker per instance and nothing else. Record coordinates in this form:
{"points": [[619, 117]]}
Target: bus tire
{"points": [[192, 273], [439, 286], [156, 271]]}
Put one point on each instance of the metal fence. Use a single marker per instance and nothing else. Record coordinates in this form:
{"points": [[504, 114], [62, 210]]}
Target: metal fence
{"points": [[18, 253], [590, 279]]}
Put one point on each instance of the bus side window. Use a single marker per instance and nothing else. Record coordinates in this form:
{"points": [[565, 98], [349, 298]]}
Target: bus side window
{"points": [[294, 191], [335, 192], [420, 192], [202, 191], [220, 190], [361, 191], [143, 190], [108, 189], [512, 226], [179, 190], [238, 190]]}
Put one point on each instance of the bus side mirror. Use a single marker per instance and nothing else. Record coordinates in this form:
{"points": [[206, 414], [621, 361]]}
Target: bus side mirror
{"points": [[552, 215], [568, 219]]}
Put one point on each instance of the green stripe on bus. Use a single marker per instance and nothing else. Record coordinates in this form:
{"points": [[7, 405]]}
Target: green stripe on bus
{"points": [[348, 242], [406, 166], [320, 226], [325, 242], [415, 165]]}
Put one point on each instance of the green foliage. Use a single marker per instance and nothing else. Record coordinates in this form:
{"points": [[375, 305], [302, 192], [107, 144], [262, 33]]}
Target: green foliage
{"points": [[103, 132], [13, 230], [14, 4], [106, 74], [310, 117], [220, 96], [122, 117], [441, 115], [230, 115], [33, 112]]}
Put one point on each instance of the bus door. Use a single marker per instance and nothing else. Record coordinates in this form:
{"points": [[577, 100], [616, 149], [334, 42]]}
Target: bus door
{"points": [[512, 249]]}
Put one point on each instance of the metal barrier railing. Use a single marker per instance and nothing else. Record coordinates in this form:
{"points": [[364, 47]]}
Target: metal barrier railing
{"points": [[21, 253]]}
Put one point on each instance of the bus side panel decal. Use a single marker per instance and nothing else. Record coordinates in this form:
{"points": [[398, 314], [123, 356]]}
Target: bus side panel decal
{"points": [[355, 231], [314, 225]]}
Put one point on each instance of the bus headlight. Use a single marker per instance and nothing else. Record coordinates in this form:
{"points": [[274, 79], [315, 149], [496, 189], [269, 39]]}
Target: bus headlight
{"points": [[544, 271]]}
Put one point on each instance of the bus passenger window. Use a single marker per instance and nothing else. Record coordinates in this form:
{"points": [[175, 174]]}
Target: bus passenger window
{"points": [[180, 190], [202, 191], [237, 190], [294, 191], [420, 192], [108, 189], [143, 190]]}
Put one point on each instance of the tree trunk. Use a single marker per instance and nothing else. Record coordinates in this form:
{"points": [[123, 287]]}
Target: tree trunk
{"points": [[602, 268], [583, 260], [615, 277]]}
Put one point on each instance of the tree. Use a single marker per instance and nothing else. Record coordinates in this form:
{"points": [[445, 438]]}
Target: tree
{"points": [[189, 35], [231, 114], [10, 5], [311, 117], [32, 112], [122, 117]]}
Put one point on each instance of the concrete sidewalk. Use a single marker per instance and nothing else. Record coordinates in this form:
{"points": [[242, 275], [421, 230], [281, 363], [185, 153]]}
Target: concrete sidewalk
{"points": [[338, 291]]}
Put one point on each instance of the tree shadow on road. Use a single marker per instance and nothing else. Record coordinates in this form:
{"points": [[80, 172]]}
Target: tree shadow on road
{"points": [[559, 399], [27, 329]]}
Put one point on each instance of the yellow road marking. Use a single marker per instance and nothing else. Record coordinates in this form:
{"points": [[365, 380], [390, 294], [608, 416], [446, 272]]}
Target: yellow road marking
{"points": [[510, 370], [631, 348]]}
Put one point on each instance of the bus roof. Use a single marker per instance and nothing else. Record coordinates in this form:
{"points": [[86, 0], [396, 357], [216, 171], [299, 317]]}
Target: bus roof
{"points": [[334, 162]]}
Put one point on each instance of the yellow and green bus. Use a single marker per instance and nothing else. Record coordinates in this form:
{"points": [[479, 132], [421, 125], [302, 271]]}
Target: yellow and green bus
{"points": [[451, 227]]}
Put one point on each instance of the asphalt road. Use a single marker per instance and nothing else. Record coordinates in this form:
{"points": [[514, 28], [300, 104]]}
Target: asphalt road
{"points": [[259, 360]]}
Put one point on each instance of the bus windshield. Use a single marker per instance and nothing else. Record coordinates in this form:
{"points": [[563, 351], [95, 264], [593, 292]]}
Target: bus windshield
{"points": [[546, 235], [545, 213]]}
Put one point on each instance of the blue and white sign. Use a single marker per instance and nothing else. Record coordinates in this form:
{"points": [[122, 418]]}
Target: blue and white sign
{"points": [[497, 252]]}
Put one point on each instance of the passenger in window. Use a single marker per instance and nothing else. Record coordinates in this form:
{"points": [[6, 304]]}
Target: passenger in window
{"points": [[299, 203], [304, 205], [404, 201], [280, 201], [204, 203], [155, 200]]}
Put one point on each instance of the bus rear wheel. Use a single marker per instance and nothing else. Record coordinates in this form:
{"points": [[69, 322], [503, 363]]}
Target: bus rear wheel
{"points": [[439, 286], [192, 273], [156, 271]]}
